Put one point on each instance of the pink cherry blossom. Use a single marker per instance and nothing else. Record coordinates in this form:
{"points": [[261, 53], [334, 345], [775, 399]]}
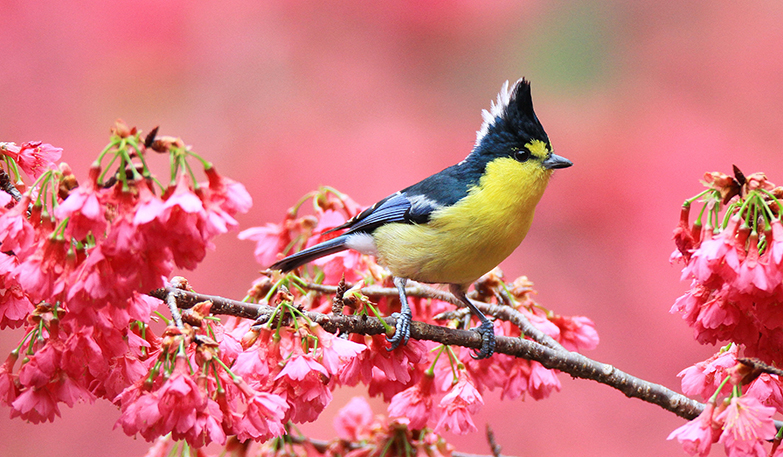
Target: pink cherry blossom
{"points": [[178, 406], [336, 352], [17, 234], [753, 276], [458, 406], [542, 381], [415, 403], [35, 157], [35, 405], [84, 209], [231, 195], [703, 378], [40, 367], [717, 257], [353, 420], [41, 275], [263, 417], [8, 386], [140, 413], [518, 380], [252, 366], [182, 220], [768, 389], [122, 373], [576, 332], [349, 264], [150, 207], [491, 373], [388, 370], [683, 235], [15, 306], [698, 435], [303, 382], [270, 240], [746, 425]]}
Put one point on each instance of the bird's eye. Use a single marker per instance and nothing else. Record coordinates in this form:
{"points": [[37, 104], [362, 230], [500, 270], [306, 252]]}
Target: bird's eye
{"points": [[521, 155]]}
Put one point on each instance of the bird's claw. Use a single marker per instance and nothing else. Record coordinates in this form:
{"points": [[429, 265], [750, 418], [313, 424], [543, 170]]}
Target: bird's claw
{"points": [[402, 330], [487, 332]]}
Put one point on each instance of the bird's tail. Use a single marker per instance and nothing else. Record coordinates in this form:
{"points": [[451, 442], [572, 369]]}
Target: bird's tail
{"points": [[310, 254]]}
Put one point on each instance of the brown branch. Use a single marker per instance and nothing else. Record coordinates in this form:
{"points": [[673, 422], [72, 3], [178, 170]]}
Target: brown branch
{"points": [[573, 363], [8, 187], [414, 289]]}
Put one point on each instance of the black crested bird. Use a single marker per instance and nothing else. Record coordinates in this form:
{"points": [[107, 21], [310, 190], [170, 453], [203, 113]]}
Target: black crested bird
{"points": [[459, 223]]}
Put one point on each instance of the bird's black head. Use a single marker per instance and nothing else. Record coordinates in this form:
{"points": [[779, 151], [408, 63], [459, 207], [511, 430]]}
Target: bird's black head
{"points": [[511, 121]]}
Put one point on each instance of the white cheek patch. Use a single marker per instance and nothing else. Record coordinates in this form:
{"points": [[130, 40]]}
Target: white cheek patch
{"points": [[363, 243]]}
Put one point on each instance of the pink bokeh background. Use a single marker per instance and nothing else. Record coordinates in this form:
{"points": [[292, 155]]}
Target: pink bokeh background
{"points": [[283, 96]]}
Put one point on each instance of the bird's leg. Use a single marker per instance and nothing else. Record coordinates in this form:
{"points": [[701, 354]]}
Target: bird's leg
{"points": [[403, 325], [486, 330]]}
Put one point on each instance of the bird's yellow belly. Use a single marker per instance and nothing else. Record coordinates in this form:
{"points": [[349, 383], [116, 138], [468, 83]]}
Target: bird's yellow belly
{"points": [[452, 249]]}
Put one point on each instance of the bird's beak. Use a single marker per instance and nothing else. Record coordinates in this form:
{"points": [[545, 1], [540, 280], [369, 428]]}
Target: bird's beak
{"points": [[556, 161]]}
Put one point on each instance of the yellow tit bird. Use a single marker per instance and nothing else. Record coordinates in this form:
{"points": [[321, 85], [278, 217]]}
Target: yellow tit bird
{"points": [[460, 223]]}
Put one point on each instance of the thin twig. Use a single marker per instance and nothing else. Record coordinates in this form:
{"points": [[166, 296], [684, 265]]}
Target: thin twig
{"points": [[171, 302], [510, 314], [493, 445]]}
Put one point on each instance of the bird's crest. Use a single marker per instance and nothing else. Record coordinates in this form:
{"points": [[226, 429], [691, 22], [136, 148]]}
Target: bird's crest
{"points": [[514, 110]]}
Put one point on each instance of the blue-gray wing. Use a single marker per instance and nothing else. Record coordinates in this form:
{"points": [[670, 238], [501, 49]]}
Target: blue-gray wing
{"points": [[398, 207]]}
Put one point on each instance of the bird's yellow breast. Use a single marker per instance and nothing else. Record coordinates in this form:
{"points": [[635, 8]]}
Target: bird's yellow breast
{"points": [[463, 241]]}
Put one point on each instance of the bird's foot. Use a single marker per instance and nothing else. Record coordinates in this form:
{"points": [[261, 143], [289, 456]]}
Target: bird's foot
{"points": [[487, 332], [402, 330]]}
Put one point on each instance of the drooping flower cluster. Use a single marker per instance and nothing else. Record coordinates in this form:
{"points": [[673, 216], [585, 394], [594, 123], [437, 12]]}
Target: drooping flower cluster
{"points": [[77, 260], [359, 433], [733, 255], [356, 423], [734, 259], [201, 390], [741, 402], [245, 383]]}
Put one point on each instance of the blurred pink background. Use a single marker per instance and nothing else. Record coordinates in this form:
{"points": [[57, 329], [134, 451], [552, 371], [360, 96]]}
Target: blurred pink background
{"points": [[643, 97]]}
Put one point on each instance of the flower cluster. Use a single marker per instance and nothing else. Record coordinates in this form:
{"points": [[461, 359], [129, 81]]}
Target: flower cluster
{"points": [[741, 402], [330, 208], [355, 423], [733, 255], [735, 263], [359, 433], [77, 260]]}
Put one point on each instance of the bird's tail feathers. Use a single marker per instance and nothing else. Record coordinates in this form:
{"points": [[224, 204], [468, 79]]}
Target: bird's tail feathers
{"points": [[319, 250]]}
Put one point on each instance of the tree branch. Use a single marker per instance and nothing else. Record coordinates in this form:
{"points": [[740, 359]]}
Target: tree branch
{"points": [[572, 363], [414, 289]]}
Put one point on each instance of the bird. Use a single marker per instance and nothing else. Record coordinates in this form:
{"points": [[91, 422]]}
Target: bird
{"points": [[458, 224]]}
